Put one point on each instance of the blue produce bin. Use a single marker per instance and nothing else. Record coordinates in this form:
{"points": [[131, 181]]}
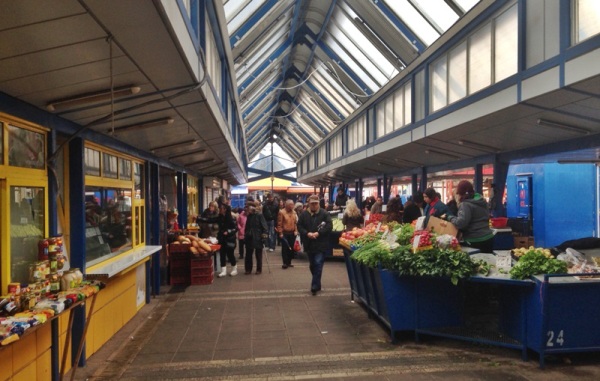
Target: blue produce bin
{"points": [[400, 298], [563, 316]]}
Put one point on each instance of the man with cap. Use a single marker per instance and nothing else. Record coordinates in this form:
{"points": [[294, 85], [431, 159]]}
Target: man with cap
{"points": [[314, 226]]}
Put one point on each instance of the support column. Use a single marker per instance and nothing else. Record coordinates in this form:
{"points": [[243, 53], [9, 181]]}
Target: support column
{"points": [[478, 178], [153, 222], [77, 225], [500, 174], [414, 186], [423, 179], [180, 176], [379, 188]]}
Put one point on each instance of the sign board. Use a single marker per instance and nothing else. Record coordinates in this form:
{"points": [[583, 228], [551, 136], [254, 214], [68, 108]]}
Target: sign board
{"points": [[440, 226]]}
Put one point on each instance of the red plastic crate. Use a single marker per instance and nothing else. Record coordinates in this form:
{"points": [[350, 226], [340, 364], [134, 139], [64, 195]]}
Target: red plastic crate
{"points": [[202, 280], [197, 263], [179, 248], [201, 271]]}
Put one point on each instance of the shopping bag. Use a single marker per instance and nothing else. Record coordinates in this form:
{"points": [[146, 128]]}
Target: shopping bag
{"points": [[297, 244]]}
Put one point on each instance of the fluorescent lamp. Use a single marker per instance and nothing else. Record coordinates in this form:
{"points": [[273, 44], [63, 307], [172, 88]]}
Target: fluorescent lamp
{"points": [[566, 127], [199, 162], [477, 146], [174, 145], [430, 151], [144, 125], [94, 97], [200, 151]]}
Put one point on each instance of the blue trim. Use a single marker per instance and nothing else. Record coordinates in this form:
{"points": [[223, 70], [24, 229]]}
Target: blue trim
{"points": [[417, 43], [195, 18], [77, 229], [183, 212], [53, 232], [266, 63], [325, 99], [312, 119], [251, 22], [259, 100], [216, 28], [565, 11], [334, 57], [191, 22], [202, 24]]}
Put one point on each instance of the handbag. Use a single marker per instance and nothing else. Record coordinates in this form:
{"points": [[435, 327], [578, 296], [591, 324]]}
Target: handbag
{"points": [[297, 244]]}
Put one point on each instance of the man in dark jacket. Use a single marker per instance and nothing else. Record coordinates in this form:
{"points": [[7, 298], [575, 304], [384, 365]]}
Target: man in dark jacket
{"points": [[341, 199], [270, 211], [314, 226], [255, 235]]}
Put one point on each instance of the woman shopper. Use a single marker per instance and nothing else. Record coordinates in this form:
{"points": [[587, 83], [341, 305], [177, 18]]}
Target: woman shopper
{"points": [[241, 226], [208, 220], [256, 234], [473, 218], [433, 205], [352, 217], [287, 232], [227, 235]]}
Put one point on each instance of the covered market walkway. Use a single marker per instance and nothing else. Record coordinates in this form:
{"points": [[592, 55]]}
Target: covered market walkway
{"points": [[269, 327]]}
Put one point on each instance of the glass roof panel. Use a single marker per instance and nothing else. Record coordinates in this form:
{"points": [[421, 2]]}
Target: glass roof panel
{"points": [[413, 19], [237, 12], [348, 60], [438, 12], [466, 5]]}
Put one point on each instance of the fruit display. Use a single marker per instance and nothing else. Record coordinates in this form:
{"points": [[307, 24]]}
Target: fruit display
{"points": [[521, 251]]}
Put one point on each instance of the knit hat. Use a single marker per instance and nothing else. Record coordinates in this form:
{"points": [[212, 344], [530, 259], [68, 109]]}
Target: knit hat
{"points": [[465, 188]]}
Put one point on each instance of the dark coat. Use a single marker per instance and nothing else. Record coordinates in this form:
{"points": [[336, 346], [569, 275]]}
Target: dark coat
{"points": [[437, 209], [309, 223], [226, 224], [270, 210], [256, 230]]}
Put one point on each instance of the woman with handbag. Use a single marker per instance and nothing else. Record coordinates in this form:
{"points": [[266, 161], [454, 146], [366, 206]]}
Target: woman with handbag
{"points": [[227, 240]]}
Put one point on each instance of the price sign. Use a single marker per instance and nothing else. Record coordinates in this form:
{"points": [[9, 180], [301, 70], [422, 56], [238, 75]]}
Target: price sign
{"points": [[416, 240]]}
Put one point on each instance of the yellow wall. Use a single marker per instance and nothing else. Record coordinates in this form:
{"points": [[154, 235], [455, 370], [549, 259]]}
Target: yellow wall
{"points": [[29, 358]]}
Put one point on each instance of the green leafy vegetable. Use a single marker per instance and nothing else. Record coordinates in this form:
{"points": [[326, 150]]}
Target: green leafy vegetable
{"points": [[534, 262]]}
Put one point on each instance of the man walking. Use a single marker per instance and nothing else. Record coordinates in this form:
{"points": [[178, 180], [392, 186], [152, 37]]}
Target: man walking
{"points": [[270, 211], [314, 226]]}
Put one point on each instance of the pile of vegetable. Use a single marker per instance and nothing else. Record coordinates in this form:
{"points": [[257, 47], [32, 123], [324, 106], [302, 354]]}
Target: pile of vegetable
{"points": [[536, 261]]}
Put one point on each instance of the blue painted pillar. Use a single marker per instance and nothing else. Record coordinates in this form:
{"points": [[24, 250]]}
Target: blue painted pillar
{"points": [[77, 248], [53, 232], [478, 178], [379, 188], [153, 224], [414, 185], [179, 196], [500, 174], [423, 179]]}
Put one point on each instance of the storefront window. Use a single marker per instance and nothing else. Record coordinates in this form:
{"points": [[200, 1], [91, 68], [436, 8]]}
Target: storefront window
{"points": [[125, 169], [92, 162], [109, 166], [108, 222], [26, 148], [138, 179], [27, 221]]}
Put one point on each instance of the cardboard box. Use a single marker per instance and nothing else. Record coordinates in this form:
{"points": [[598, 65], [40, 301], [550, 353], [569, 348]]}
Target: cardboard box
{"points": [[523, 242], [440, 226]]}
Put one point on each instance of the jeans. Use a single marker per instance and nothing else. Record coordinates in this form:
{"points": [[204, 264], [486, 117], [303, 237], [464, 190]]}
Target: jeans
{"points": [[241, 245], [227, 254], [250, 251], [287, 250], [316, 259], [271, 225]]}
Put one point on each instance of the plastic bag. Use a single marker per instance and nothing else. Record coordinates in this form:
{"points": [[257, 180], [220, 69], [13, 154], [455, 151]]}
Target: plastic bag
{"points": [[297, 244]]}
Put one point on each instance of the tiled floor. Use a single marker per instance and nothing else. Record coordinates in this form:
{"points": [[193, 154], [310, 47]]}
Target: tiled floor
{"points": [[269, 327]]}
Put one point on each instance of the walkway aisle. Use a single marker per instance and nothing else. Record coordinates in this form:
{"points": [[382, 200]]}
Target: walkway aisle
{"points": [[269, 327]]}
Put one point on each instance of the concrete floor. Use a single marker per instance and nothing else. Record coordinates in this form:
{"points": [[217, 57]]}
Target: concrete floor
{"points": [[269, 327]]}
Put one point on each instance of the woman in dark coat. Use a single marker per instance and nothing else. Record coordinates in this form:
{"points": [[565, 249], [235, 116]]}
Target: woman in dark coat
{"points": [[257, 232], [227, 238]]}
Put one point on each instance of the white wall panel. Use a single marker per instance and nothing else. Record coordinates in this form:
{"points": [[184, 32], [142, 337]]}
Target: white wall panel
{"points": [[540, 84], [582, 67]]}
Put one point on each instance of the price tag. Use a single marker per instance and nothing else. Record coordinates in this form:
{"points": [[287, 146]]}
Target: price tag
{"points": [[503, 261], [24, 221], [379, 226], [340, 215], [416, 241], [367, 217]]}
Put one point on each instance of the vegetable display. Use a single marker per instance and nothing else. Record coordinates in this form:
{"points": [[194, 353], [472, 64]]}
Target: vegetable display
{"points": [[534, 262]]}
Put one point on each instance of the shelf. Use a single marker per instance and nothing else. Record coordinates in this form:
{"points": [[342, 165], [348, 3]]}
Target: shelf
{"points": [[124, 262]]}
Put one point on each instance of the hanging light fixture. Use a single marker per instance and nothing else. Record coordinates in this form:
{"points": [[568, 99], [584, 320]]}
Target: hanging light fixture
{"points": [[144, 125], [89, 98], [561, 126]]}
